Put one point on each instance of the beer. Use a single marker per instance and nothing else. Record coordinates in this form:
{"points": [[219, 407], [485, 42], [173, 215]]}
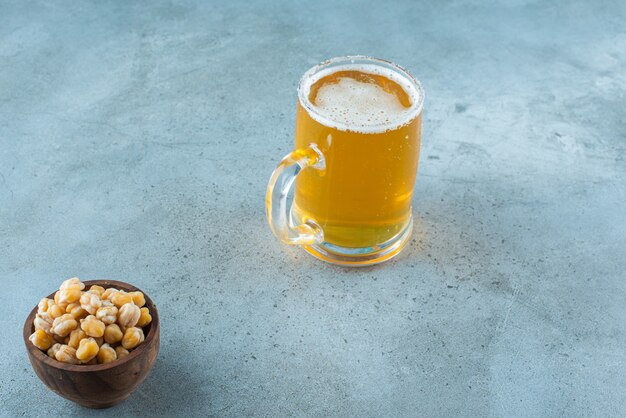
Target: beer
{"points": [[366, 123], [357, 141]]}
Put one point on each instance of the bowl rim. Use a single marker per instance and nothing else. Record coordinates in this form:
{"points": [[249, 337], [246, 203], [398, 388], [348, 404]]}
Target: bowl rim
{"points": [[42, 357]]}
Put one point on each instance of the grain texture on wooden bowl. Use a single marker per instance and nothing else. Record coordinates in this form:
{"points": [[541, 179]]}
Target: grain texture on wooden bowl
{"points": [[99, 385]]}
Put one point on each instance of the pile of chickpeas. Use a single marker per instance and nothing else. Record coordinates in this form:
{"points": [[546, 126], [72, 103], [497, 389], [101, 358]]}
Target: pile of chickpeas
{"points": [[94, 326]]}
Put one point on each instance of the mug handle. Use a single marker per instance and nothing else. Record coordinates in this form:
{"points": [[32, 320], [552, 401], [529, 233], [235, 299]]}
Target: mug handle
{"points": [[276, 205]]}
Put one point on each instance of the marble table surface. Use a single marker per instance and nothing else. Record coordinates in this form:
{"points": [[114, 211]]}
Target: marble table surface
{"points": [[136, 141]]}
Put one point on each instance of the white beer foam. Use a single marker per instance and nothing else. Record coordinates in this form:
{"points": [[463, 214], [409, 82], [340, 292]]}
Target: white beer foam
{"points": [[351, 105], [357, 103]]}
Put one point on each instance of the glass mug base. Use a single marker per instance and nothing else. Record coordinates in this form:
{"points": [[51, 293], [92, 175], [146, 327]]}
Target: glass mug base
{"points": [[361, 256]]}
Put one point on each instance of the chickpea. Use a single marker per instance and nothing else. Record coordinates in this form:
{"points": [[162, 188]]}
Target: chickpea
{"points": [[128, 315], [106, 303], [55, 310], [63, 325], [90, 302], [41, 340], [145, 318], [132, 338], [121, 351], [87, 349], [46, 317], [74, 281], [68, 295], [99, 290], [58, 301], [76, 310], [106, 295], [106, 354], [66, 354], [75, 337], [92, 326], [99, 340], [42, 324], [52, 351], [138, 298], [43, 305], [107, 314], [121, 298], [113, 334]]}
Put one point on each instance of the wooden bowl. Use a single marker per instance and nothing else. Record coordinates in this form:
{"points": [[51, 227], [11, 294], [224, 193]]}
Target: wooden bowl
{"points": [[98, 385]]}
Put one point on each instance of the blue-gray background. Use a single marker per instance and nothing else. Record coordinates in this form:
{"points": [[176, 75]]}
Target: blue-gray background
{"points": [[136, 141]]}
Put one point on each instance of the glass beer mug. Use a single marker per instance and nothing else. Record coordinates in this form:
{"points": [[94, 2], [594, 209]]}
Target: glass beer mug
{"points": [[357, 141]]}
